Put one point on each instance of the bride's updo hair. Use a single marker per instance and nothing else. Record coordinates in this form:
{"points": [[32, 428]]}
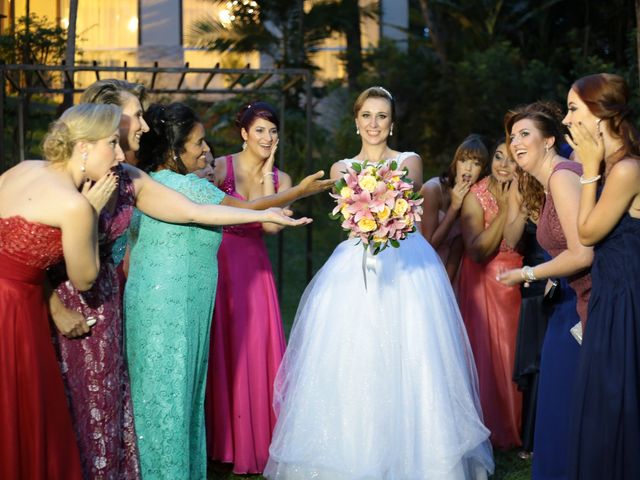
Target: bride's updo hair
{"points": [[375, 92], [85, 121], [607, 97]]}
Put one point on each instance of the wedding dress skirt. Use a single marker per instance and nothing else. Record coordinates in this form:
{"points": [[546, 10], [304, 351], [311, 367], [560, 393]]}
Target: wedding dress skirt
{"points": [[378, 382]]}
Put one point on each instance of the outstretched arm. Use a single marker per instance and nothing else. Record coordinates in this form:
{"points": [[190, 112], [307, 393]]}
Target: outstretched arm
{"points": [[163, 203], [309, 185]]}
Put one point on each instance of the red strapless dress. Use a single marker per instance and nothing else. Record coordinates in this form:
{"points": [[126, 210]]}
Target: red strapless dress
{"points": [[37, 440]]}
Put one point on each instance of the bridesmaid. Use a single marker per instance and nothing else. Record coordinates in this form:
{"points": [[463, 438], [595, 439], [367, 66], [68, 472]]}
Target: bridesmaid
{"points": [[489, 309], [534, 140], [42, 216], [605, 435], [106, 432], [247, 339], [443, 197], [169, 299], [526, 198]]}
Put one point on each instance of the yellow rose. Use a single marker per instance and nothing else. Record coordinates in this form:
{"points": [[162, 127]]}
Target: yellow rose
{"points": [[395, 179], [384, 213], [409, 222], [379, 239], [400, 207], [346, 192], [345, 213], [368, 183], [367, 225]]}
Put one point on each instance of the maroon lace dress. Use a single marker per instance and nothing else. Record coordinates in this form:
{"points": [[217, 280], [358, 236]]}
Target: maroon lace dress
{"points": [[37, 440], [94, 368]]}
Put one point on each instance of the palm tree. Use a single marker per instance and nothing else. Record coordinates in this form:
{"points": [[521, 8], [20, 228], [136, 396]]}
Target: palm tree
{"points": [[283, 30]]}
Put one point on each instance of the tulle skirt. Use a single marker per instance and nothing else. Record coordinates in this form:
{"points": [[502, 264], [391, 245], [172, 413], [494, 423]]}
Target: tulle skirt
{"points": [[378, 381]]}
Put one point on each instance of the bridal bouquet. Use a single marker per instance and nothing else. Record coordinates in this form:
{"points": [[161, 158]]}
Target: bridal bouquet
{"points": [[376, 203]]}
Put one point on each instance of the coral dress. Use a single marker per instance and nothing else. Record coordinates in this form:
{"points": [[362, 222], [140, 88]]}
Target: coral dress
{"points": [[37, 440], [93, 367], [169, 305], [604, 438], [490, 311], [247, 345]]}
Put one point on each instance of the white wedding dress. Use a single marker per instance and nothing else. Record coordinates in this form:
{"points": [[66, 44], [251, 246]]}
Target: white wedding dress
{"points": [[378, 382]]}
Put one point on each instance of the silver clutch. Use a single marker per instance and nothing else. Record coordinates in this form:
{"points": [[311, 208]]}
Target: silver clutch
{"points": [[576, 331]]}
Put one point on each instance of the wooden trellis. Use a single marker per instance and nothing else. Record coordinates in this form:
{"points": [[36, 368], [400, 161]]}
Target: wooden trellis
{"points": [[20, 81]]}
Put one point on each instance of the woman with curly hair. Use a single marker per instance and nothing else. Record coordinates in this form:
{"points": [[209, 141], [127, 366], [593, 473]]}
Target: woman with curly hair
{"points": [[534, 139]]}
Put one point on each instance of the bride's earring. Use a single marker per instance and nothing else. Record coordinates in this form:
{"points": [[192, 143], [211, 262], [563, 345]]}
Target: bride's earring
{"points": [[357, 131], [391, 131]]}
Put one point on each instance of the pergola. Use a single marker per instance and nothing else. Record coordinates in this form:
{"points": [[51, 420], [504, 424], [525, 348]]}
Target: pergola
{"points": [[23, 80]]}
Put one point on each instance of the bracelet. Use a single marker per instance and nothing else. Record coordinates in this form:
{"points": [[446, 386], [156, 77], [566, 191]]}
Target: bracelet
{"points": [[527, 274], [585, 181], [269, 173]]}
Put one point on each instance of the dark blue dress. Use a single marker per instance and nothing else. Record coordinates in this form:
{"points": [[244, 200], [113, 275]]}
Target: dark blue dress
{"points": [[532, 325], [605, 431]]}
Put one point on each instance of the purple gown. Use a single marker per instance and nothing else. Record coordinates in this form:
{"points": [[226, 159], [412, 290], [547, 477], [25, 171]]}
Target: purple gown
{"points": [[93, 367]]}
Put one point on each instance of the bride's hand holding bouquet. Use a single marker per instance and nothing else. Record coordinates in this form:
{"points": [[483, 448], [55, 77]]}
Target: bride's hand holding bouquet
{"points": [[376, 203]]}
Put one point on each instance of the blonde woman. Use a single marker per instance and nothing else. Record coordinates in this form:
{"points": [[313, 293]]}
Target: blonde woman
{"points": [[47, 212]]}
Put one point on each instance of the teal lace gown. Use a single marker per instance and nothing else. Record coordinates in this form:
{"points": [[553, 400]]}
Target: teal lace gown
{"points": [[169, 300]]}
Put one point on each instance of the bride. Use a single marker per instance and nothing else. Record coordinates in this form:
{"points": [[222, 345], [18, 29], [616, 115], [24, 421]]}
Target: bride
{"points": [[378, 381]]}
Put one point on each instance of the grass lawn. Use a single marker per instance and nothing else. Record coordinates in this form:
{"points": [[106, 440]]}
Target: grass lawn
{"points": [[326, 235], [508, 467]]}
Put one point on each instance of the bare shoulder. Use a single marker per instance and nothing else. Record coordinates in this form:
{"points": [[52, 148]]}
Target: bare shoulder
{"points": [[220, 169], [627, 169], [284, 177], [562, 179]]}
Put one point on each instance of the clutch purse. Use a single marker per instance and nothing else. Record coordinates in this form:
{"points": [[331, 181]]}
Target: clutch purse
{"points": [[576, 332]]}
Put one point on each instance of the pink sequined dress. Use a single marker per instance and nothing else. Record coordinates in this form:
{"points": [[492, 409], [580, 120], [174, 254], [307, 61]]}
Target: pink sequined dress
{"points": [[247, 345], [37, 441], [94, 367], [490, 311]]}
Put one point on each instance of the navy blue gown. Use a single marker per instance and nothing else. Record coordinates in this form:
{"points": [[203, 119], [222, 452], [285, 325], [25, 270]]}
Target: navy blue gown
{"points": [[558, 366], [605, 426]]}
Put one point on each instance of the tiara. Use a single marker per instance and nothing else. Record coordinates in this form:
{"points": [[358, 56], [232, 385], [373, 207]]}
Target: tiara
{"points": [[387, 92]]}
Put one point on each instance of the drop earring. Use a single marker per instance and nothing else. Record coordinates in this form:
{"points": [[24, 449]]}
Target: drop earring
{"points": [[244, 145], [357, 131], [83, 167], [391, 131]]}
